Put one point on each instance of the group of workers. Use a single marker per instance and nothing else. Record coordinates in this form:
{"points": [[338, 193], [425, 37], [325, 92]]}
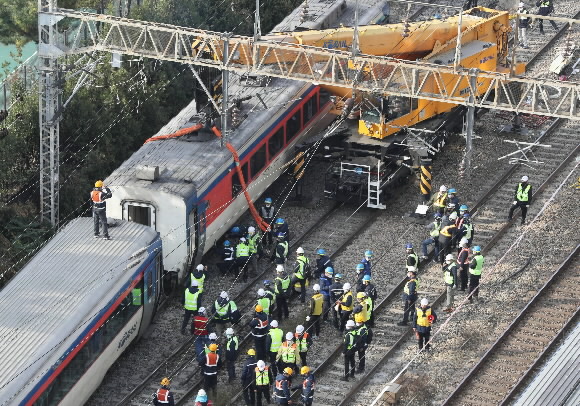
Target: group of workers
{"points": [[350, 310]]}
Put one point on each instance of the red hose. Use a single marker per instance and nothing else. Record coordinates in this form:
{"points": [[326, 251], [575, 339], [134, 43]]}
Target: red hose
{"points": [[259, 220], [179, 133]]}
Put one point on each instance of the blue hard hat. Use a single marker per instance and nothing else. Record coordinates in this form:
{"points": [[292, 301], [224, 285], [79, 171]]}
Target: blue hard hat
{"points": [[368, 253], [466, 215], [321, 251], [463, 207], [329, 270], [437, 215], [268, 200], [279, 220], [452, 191], [366, 278], [227, 243], [267, 282], [338, 276], [280, 235], [409, 246], [360, 266], [235, 230], [477, 248]]}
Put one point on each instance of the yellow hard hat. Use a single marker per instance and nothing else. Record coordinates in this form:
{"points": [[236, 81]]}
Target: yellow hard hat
{"points": [[259, 308], [304, 370], [165, 382], [288, 371], [361, 295], [99, 183], [213, 347], [251, 351]]}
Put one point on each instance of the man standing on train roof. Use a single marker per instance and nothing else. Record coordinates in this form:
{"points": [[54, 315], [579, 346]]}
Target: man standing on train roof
{"points": [[163, 396], [322, 262], [523, 199], [191, 304], [268, 212], [99, 194]]}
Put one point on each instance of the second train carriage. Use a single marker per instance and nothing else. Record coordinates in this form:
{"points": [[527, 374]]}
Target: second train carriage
{"points": [[73, 309]]}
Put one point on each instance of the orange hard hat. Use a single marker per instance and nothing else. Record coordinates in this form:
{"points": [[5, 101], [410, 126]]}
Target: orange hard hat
{"points": [[213, 347]]}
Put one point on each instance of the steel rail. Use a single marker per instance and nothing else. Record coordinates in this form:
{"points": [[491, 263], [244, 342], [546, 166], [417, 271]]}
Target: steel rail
{"points": [[524, 312]]}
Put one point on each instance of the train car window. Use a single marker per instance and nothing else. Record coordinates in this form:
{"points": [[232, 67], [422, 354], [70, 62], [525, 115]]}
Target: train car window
{"points": [[293, 126], [258, 161], [236, 184], [93, 347], [141, 213], [276, 142], [309, 109]]}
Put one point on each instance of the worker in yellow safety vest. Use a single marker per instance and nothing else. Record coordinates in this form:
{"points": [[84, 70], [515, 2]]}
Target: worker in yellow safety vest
{"points": [[424, 317]]}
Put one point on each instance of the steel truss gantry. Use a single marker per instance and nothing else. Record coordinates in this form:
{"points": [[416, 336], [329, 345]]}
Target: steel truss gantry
{"points": [[246, 55]]}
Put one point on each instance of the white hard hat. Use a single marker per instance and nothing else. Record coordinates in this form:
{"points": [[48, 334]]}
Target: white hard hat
{"points": [[213, 336], [524, 178], [350, 323], [300, 329], [261, 365], [200, 267], [300, 250], [449, 257], [201, 392], [521, 4], [346, 287], [453, 216], [274, 323], [201, 310], [463, 242], [242, 239], [412, 269], [261, 292], [224, 294], [424, 302], [279, 268], [289, 335], [194, 283], [229, 331], [251, 229], [316, 287], [443, 188]]}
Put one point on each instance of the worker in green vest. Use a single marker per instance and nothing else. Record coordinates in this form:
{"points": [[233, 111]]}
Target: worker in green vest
{"points": [[254, 243], [198, 275], [522, 199], [349, 350], [265, 302], [301, 272], [191, 302], [475, 267], [283, 292], [273, 342], [450, 280], [243, 258], [232, 345], [263, 378]]}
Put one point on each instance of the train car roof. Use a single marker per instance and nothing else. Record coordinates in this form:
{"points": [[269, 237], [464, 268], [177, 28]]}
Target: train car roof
{"points": [[57, 294], [186, 164]]}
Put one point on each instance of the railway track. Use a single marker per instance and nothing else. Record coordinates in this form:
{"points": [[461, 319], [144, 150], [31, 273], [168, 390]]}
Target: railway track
{"points": [[334, 230], [511, 358]]}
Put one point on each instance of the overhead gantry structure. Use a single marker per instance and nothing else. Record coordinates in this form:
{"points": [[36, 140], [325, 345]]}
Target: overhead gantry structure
{"points": [[278, 57]]}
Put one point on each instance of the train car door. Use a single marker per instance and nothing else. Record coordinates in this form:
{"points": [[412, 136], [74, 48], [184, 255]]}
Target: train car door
{"points": [[201, 225], [151, 291]]}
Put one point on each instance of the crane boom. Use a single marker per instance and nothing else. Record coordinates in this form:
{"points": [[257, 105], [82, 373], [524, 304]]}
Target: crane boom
{"points": [[332, 67]]}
